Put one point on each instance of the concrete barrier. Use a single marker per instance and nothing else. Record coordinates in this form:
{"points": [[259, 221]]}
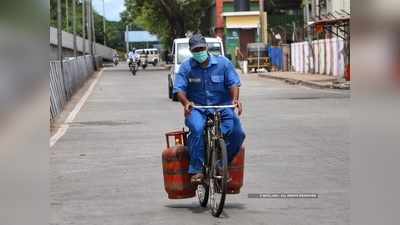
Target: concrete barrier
{"points": [[68, 46]]}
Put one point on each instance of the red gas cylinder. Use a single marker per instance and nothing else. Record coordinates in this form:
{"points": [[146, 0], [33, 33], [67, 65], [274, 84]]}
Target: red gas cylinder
{"points": [[347, 73], [175, 163], [236, 172], [175, 169]]}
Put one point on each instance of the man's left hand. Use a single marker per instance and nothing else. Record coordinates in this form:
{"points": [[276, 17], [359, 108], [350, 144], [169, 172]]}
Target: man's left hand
{"points": [[239, 106]]}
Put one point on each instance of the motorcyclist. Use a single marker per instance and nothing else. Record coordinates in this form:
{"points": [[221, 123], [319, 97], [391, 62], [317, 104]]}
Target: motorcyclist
{"points": [[133, 57], [115, 58]]}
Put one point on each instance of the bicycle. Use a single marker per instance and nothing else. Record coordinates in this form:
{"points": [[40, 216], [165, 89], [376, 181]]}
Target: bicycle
{"points": [[215, 168]]}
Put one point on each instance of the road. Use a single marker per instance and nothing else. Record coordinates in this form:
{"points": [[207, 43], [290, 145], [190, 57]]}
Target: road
{"points": [[106, 169]]}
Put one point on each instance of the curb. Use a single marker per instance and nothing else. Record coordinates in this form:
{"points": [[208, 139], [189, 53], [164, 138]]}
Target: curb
{"points": [[166, 67], [305, 83]]}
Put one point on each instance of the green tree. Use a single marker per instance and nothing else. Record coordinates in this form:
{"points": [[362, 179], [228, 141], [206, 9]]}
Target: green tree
{"points": [[53, 15], [115, 35], [169, 19], [114, 30]]}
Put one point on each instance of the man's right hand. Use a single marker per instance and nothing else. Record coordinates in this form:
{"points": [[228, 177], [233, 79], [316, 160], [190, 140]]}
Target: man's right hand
{"points": [[188, 108], [239, 106], [187, 105]]}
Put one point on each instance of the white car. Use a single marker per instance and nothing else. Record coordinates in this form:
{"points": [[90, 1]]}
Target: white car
{"points": [[153, 56], [180, 52]]}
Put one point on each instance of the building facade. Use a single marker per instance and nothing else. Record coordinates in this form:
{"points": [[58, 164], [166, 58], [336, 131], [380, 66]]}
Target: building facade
{"points": [[237, 22], [326, 49], [319, 8]]}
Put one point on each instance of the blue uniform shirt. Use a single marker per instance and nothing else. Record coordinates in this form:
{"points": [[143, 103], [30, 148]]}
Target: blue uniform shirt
{"points": [[207, 86]]}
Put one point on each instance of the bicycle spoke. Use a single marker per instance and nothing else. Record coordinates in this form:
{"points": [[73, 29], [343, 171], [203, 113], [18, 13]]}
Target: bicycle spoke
{"points": [[202, 192], [212, 194]]}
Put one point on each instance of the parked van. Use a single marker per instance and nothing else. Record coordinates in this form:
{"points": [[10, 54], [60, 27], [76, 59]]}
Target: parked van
{"points": [[153, 55], [180, 52]]}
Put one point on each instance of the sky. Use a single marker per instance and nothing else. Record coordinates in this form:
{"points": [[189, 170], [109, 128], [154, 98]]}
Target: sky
{"points": [[112, 7]]}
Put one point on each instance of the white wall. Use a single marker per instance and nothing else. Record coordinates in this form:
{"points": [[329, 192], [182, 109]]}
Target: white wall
{"points": [[337, 5], [328, 57]]}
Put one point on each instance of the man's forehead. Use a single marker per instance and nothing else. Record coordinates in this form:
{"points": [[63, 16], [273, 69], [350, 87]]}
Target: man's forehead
{"points": [[199, 48]]}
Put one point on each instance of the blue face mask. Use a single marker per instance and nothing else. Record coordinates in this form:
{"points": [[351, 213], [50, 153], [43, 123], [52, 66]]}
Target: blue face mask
{"points": [[200, 56]]}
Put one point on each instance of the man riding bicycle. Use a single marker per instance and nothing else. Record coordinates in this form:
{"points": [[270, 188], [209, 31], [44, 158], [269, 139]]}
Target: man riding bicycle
{"points": [[208, 80]]}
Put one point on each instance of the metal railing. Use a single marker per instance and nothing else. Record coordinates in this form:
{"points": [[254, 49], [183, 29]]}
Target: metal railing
{"points": [[64, 85]]}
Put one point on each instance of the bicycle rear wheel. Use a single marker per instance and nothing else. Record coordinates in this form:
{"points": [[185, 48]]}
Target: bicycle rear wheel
{"points": [[218, 178]]}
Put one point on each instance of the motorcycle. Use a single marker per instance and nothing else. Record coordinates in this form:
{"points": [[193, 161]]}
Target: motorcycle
{"points": [[138, 63], [144, 64], [132, 67], [115, 61]]}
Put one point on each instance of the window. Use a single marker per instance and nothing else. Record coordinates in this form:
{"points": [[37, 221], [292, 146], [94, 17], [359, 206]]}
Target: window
{"points": [[214, 48], [183, 52]]}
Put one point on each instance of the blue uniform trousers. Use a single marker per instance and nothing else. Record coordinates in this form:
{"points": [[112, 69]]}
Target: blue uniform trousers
{"points": [[231, 129]]}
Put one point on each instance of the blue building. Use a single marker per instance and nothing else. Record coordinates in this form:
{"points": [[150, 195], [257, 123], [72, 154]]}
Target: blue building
{"points": [[142, 39]]}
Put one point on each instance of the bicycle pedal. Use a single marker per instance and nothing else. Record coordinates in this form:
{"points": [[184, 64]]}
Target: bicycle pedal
{"points": [[220, 177]]}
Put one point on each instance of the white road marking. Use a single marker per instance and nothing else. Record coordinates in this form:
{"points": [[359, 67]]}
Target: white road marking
{"points": [[64, 127]]}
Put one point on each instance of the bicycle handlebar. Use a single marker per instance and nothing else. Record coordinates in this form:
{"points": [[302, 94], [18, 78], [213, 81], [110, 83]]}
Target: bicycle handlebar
{"points": [[213, 106]]}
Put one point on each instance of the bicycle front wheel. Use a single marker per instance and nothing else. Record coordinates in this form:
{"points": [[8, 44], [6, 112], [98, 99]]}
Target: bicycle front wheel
{"points": [[219, 178]]}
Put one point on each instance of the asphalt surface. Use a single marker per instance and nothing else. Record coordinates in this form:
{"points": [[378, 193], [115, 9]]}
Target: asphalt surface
{"points": [[107, 168]]}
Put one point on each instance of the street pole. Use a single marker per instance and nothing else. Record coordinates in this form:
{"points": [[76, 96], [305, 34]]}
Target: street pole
{"points": [[83, 27], [310, 17], [66, 15], [261, 7], [93, 28], [126, 39], [259, 32], [89, 26], [59, 32], [313, 10], [59, 44], [74, 26], [104, 24], [92, 34], [263, 25]]}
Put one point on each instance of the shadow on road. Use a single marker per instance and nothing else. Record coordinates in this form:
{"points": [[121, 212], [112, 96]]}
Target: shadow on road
{"points": [[124, 67], [195, 208], [234, 206]]}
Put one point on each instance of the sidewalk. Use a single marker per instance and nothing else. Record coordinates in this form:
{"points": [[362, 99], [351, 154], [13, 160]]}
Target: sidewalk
{"points": [[311, 80]]}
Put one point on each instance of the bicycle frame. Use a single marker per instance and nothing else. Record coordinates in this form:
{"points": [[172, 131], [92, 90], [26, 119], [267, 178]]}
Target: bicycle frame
{"points": [[212, 132], [215, 174]]}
